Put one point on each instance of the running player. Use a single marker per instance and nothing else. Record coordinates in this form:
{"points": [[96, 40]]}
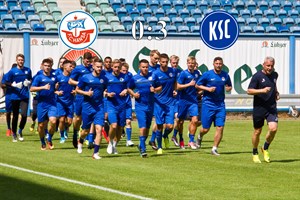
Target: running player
{"points": [[65, 105], [124, 70], [142, 87], [164, 101], [77, 73], [19, 78], [214, 83], [44, 85], [92, 87], [116, 104], [188, 103]]}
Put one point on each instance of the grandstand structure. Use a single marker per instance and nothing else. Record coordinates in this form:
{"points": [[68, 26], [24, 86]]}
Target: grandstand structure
{"points": [[181, 16]]}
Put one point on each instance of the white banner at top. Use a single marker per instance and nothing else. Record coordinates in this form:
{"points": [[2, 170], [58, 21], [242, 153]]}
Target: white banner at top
{"points": [[243, 59]]}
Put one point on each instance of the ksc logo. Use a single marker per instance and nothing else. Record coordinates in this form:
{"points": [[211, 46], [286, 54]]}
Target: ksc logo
{"points": [[219, 30], [78, 30]]}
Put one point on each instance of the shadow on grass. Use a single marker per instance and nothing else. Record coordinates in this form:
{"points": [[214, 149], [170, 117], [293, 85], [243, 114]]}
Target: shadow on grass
{"points": [[286, 160], [12, 188], [237, 152]]}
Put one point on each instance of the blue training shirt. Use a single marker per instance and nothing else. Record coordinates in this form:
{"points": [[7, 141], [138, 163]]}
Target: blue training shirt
{"points": [[188, 95], [167, 80], [211, 79], [78, 72], [47, 96], [142, 84], [19, 75], [98, 84], [63, 85], [117, 84]]}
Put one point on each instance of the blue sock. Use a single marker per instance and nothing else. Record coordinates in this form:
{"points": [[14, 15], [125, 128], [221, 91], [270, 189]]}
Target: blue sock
{"points": [[43, 141], [20, 132], [175, 132], [153, 136], [46, 131], [143, 143], [87, 137], [166, 133], [90, 137], [180, 137], [128, 133], [50, 138], [192, 138], [62, 134], [266, 145], [159, 139], [96, 148]]}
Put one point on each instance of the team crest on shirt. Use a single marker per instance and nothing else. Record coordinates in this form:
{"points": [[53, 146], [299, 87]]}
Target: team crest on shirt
{"points": [[170, 74], [275, 80], [101, 81], [196, 75], [53, 79], [263, 80], [121, 79], [150, 78], [26, 72], [223, 78]]}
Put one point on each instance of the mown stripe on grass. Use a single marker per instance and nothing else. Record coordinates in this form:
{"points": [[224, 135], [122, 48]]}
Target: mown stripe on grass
{"points": [[75, 182]]}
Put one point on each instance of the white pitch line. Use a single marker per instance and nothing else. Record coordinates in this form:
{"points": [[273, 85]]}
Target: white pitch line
{"points": [[76, 182]]}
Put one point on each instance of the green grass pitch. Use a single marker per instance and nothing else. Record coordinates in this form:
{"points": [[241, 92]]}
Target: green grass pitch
{"points": [[177, 174]]}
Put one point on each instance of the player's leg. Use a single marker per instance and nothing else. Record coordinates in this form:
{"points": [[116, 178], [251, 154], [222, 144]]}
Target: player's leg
{"points": [[99, 123], [112, 117], [169, 121], [24, 109], [220, 118], [42, 118], [272, 120], [176, 121], [77, 119], [61, 115], [33, 114], [193, 113], [144, 124], [206, 122], [8, 109], [90, 137], [160, 120], [16, 107], [88, 116]]}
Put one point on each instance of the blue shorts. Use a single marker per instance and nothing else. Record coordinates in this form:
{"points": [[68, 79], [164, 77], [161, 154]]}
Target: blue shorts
{"points": [[144, 117], [78, 105], [116, 116], [129, 112], [176, 106], [8, 104], [184, 109], [216, 115], [65, 110], [164, 114], [92, 115], [45, 111]]}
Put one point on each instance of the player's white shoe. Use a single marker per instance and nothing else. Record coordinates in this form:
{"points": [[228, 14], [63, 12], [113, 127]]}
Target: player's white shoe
{"points": [[79, 148], [109, 149], [129, 143], [96, 156]]}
